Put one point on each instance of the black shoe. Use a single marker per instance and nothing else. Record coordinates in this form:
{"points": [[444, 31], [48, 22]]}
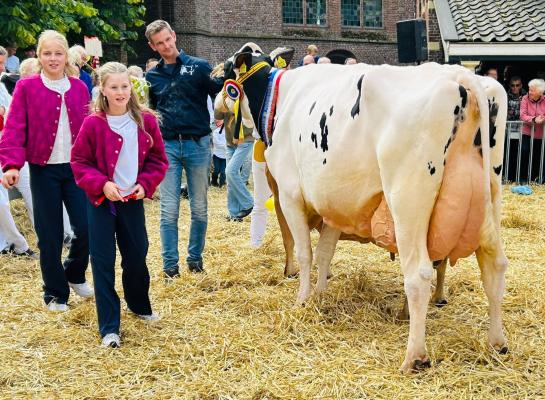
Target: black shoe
{"points": [[195, 266], [184, 193], [172, 272], [245, 213]]}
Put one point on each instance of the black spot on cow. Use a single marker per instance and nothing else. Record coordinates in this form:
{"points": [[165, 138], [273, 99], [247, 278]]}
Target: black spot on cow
{"points": [[454, 130], [456, 110], [477, 141], [324, 133], [463, 95], [492, 114], [323, 163], [314, 138], [431, 168], [449, 141], [299, 137], [497, 169], [331, 111], [311, 108], [356, 107], [444, 161]]}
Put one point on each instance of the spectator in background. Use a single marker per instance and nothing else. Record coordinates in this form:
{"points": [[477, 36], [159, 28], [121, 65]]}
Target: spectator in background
{"points": [[77, 56], [514, 96], [11, 240], [350, 61], [139, 84], [532, 112], [308, 59], [492, 73], [29, 66], [218, 155], [30, 52], [324, 60], [12, 63], [151, 63]]}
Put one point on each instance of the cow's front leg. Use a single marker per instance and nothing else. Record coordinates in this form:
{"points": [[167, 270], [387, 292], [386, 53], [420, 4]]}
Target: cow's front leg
{"points": [[493, 264], [296, 219], [324, 253]]}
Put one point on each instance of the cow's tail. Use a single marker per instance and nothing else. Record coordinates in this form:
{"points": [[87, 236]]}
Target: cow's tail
{"points": [[470, 81]]}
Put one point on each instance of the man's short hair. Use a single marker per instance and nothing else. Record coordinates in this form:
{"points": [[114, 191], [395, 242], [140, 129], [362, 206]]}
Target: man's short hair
{"points": [[515, 78], [155, 27]]}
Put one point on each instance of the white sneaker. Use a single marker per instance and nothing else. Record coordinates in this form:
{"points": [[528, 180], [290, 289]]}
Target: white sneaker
{"points": [[82, 289], [111, 340], [57, 307], [149, 318]]}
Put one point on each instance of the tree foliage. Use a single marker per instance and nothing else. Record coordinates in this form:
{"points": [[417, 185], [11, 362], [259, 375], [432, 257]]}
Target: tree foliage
{"points": [[21, 21]]}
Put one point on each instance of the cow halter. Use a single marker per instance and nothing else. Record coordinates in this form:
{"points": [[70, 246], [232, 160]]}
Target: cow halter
{"points": [[233, 89]]}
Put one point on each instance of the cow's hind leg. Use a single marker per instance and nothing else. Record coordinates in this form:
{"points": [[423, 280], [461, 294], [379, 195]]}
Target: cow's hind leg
{"points": [[324, 253], [493, 264], [411, 226], [287, 238], [439, 294], [296, 218]]}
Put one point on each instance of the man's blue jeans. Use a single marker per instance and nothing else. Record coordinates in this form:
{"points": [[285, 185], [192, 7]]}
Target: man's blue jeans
{"points": [[238, 196], [193, 156]]}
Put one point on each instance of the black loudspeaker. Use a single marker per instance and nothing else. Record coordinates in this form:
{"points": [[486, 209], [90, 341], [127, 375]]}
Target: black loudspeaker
{"points": [[412, 44]]}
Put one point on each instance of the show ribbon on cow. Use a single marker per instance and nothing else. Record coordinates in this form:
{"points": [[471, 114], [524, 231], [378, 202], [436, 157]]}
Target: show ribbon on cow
{"points": [[233, 90], [268, 111]]}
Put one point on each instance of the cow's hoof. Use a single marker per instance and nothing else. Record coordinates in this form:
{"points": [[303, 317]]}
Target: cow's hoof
{"points": [[420, 365], [409, 367], [292, 275], [392, 256], [330, 275], [440, 303], [503, 350], [403, 315]]}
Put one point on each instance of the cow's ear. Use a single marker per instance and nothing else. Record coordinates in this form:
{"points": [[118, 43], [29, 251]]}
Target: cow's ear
{"points": [[243, 58], [228, 72]]}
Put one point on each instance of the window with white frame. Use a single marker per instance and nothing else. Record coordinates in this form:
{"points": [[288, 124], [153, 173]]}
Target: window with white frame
{"points": [[358, 13], [304, 12]]}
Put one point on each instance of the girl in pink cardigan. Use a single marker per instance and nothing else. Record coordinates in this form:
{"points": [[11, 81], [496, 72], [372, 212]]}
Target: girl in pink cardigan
{"points": [[118, 159], [44, 120]]}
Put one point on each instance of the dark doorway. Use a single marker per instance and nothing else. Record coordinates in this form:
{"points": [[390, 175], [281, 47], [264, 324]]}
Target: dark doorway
{"points": [[339, 55]]}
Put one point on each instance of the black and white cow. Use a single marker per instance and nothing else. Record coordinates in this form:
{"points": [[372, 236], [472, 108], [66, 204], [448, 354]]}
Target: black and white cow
{"points": [[402, 156]]}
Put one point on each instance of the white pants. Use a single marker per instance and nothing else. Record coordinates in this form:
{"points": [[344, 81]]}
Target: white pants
{"points": [[259, 215], [9, 234]]}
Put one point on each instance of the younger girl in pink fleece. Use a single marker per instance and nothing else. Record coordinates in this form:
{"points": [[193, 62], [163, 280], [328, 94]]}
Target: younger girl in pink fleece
{"points": [[118, 159]]}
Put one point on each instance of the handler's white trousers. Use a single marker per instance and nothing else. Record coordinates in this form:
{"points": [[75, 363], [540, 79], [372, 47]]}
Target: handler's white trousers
{"points": [[259, 215]]}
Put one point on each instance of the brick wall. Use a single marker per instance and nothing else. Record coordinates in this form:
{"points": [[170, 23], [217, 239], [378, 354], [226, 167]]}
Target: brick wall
{"points": [[214, 29], [435, 44]]}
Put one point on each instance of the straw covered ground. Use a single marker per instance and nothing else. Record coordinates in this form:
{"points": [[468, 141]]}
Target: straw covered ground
{"points": [[233, 333]]}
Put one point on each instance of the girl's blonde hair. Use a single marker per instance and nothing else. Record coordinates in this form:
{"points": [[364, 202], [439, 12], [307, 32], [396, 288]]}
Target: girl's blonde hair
{"points": [[69, 70], [134, 108], [29, 66]]}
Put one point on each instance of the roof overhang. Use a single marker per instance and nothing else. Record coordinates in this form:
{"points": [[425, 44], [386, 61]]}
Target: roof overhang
{"points": [[494, 50]]}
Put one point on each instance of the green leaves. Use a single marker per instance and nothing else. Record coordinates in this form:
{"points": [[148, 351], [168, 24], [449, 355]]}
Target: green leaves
{"points": [[22, 21]]}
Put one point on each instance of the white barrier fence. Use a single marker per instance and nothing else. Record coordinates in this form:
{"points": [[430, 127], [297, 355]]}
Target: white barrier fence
{"points": [[523, 155]]}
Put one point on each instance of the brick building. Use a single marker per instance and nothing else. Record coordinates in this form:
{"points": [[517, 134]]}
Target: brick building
{"points": [[215, 29]]}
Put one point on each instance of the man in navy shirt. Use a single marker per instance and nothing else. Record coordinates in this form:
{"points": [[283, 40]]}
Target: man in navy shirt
{"points": [[179, 87]]}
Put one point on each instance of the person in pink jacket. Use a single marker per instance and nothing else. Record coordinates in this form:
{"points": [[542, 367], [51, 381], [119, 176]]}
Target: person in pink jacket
{"points": [[44, 120], [532, 112], [118, 159]]}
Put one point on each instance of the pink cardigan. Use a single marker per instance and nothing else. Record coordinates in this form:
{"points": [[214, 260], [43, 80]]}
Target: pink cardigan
{"points": [[528, 110], [96, 151], [33, 120]]}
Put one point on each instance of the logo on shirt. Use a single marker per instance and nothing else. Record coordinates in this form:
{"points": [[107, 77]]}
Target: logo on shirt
{"points": [[187, 70]]}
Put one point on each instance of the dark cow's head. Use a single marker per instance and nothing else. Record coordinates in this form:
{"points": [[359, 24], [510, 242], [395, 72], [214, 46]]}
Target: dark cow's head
{"points": [[246, 74]]}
